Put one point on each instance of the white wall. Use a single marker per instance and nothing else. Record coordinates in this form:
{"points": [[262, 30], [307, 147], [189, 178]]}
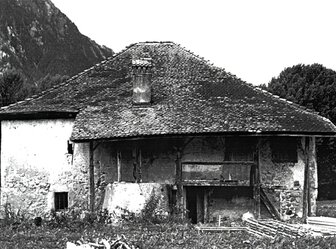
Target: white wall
{"points": [[34, 161]]}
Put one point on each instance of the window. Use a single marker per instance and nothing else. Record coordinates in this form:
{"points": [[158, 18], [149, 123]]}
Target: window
{"points": [[70, 148], [61, 200], [284, 150], [240, 149]]}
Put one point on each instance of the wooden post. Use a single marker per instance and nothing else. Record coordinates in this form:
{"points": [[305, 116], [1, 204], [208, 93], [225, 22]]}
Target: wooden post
{"points": [[91, 178], [137, 164], [306, 187], [179, 179], [205, 198], [257, 185], [119, 165], [139, 170]]}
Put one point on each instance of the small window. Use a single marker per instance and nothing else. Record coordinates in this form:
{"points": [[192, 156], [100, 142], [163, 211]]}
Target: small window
{"points": [[284, 150], [240, 149], [61, 200], [70, 148]]}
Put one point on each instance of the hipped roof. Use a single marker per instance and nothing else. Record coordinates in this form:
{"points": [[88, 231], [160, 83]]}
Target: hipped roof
{"points": [[189, 96]]}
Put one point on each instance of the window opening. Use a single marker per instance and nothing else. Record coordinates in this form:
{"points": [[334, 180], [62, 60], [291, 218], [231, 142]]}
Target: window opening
{"points": [[70, 148], [284, 150], [61, 200], [241, 149]]}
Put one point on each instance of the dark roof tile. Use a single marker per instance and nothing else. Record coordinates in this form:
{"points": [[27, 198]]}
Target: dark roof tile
{"points": [[189, 95]]}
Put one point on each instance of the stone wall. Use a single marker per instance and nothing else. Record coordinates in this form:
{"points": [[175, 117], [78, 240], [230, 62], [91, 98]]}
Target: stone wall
{"points": [[283, 183], [35, 163]]}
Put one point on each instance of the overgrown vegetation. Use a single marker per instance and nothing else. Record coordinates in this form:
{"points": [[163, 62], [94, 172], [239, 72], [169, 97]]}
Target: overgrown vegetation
{"points": [[150, 229], [56, 232]]}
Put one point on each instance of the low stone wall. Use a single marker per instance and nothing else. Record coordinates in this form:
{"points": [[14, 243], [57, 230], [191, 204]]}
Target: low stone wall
{"points": [[125, 197]]}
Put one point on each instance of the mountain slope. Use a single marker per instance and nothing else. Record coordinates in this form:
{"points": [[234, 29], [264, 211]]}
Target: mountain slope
{"points": [[38, 39]]}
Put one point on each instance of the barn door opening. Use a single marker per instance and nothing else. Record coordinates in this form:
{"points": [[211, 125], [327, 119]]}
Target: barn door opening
{"points": [[195, 204]]}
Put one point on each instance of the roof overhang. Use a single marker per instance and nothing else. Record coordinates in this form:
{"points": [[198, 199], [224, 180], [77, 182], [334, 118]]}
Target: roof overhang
{"points": [[226, 134], [38, 115]]}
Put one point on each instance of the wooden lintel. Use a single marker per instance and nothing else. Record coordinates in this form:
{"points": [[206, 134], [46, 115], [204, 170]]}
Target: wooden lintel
{"points": [[218, 183]]}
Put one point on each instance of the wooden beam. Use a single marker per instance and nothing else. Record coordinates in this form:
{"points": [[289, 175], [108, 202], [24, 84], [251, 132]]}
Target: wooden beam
{"points": [[306, 195], [139, 165], [205, 199], [256, 185], [136, 154], [199, 206], [178, 179], [91, 178], [119, 165]]}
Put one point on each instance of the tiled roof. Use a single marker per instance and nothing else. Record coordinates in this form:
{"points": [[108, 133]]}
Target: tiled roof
{"points": [[189, 96]]}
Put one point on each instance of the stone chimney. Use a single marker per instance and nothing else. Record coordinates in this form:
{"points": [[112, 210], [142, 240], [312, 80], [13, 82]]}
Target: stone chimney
{"points": [[142, 77]]}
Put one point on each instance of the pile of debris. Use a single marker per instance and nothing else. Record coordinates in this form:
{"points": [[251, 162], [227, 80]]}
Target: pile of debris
{"points": [[316, 226], [119, 243], [323, 226], [272, 228]]}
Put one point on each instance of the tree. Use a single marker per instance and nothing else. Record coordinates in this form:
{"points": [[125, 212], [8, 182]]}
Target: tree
{"points": [[313, 86], [11, 87]]}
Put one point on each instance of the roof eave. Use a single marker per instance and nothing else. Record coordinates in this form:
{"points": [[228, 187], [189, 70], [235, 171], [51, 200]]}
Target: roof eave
{"points": [[38, 115], [257, 134]]}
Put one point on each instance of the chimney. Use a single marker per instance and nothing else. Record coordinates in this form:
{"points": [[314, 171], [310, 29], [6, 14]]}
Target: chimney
{"points": [[141, 77]]}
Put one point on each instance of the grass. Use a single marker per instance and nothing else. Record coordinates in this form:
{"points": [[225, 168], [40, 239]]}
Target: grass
{"points": [[149, 231], [141, 235]]}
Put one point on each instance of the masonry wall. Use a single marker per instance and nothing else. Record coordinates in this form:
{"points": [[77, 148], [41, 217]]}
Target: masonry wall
{"points": [[35, 164], [284, 182]]}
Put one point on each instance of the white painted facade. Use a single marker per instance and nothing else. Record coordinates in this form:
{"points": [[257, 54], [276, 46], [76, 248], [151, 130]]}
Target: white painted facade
{"points": [[34, 161]]}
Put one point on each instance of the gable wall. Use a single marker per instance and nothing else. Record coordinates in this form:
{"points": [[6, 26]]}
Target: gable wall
{"points": [[35, 164]]}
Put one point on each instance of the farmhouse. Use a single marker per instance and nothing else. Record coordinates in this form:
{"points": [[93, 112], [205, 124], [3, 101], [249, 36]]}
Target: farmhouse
{"points": [[157, 123]]}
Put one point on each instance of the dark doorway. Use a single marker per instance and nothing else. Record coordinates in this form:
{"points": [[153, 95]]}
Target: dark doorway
{"points": [[208, 204], [195, 204]]}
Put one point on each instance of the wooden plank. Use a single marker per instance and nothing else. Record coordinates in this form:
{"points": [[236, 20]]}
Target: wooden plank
{"points": [[269, 205], [215, 183], [91, 178]]}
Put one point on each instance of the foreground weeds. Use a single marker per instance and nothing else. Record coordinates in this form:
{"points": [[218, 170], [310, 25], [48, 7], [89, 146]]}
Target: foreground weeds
{"points": [[148, 231], [146, 235]]}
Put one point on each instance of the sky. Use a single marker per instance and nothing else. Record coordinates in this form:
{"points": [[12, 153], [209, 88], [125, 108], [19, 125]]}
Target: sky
{"points": [[253, 39]]}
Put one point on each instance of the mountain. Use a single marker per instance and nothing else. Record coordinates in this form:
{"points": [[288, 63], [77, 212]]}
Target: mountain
{"points": [[37, 39]]}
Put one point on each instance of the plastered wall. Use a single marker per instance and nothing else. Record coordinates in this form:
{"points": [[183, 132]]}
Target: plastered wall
{"points": [[35, 163]]}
